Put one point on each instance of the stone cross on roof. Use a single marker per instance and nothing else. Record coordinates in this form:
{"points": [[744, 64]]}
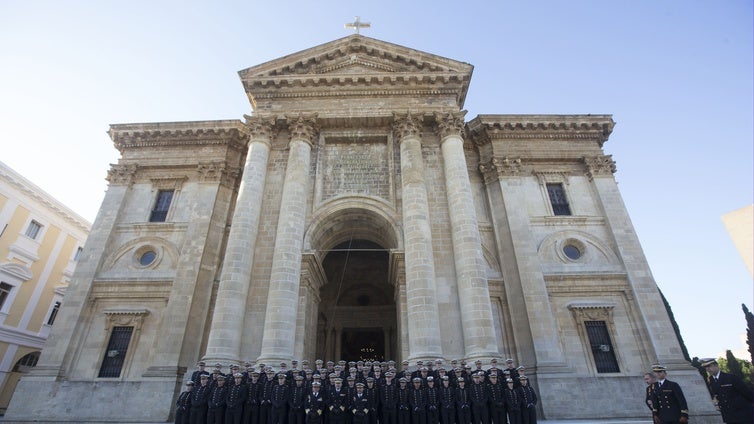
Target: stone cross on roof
{"points": [[357, 24]]}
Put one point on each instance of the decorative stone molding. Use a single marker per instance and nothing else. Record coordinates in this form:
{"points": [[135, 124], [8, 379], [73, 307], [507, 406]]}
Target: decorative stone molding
{"points": [[545, 177], [487, 128], [303, 127], [496, 168], [124, 317], [168, 183], [121, 174], [197, 133], [599, 166], [211, 172], [260, 127], [406, 125], [450, 123], [592, 311]]}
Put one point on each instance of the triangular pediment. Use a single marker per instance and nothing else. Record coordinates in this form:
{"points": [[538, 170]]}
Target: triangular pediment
{"points": [[355, 64], [354, 54]]}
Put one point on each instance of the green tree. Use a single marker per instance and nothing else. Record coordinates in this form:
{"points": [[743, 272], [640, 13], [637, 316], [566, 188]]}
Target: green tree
{"points": [[739, 367], [675, 326], [749, 330]]}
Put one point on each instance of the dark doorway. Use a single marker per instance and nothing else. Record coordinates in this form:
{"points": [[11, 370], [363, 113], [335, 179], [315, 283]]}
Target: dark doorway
{"points": [[363, 344]]}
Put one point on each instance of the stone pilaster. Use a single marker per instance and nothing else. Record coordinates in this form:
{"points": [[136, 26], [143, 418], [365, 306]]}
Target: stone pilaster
{"points": [[279, 335], [537, 340], [67, 332], [473, 292], [224, 343], [424, 340]]}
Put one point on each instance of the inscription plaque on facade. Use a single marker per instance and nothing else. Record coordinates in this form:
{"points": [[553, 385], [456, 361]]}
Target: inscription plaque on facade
{"points": [[356, 167]]}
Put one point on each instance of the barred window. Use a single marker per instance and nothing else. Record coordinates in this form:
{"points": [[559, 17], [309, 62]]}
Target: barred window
{"points": [[161, 206], [558, 199], [53, 313], [32, 231], [5, 289], [77, 256], [602, 347], [115, 355]]}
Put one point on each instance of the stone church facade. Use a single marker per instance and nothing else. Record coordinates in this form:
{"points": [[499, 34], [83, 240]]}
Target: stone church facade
{"points": [[358, 213]]}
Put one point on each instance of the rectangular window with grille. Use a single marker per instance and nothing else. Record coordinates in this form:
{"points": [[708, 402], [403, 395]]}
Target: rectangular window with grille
{"points": [[558, 199], [161, 206], [77, 256], [5, 289], [115, 354], [53, 313], [602, 347]]}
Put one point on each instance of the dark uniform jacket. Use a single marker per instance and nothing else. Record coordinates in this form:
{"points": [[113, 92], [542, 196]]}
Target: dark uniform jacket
{"points": [[512, 399], [479, 395], [668, 402], [388, 395], [734, 399], [315, 403], [360, 406], [528, 396], [279, 398], [337, 402], [649, 394], [237, 395], [252, 399], [417, 399], [447, 397], [200, 396], [403, 399], [217, 397], [463, 400], [183, 402], [296, 397]]}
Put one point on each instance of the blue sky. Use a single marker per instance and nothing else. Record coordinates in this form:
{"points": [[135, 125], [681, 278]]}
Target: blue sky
{"points": [[676, 75]]}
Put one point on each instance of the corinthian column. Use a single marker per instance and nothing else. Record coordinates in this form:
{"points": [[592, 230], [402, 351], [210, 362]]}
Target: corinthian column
{"points": [[421, 300], [282, 299], [473, 292], [224, 343]]}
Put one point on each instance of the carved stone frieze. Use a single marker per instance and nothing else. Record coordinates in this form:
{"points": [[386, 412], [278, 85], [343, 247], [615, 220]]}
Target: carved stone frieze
{"points": [[121, 174], [497, 168], [199, 133], [592, 312], [303, 127], [450, 123], [406, 125], [599, 165], [218, 172], [125, 318]]}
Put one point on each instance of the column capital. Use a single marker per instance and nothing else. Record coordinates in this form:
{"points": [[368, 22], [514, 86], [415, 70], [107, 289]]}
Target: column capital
{"points": [[260, 127], [407, 125], [303, 127], [122, 174], [450, 123], [497, 168], [603, 165]]}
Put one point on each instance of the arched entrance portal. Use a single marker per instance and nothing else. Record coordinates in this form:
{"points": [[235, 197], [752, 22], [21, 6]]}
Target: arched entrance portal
{"points": [[357, 313]]}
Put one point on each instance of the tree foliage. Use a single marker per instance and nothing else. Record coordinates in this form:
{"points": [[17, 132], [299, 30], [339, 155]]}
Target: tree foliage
{"points": [[738, 367], [675, 326], [749, 330]]}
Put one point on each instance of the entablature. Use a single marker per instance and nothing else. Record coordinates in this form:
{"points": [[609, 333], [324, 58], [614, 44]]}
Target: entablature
{"points": [[170, 134]]}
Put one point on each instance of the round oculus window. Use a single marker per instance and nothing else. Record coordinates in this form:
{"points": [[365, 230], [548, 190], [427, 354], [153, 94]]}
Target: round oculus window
{"points": [[572, 252], [147, 258]]}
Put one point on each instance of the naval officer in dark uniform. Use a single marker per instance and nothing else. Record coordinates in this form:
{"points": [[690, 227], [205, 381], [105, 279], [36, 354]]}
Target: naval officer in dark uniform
{"points": [[668, 403], [730, 394]]}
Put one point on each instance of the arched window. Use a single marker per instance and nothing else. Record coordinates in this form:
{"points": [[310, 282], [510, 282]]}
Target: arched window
{"points": [[26, 362]]}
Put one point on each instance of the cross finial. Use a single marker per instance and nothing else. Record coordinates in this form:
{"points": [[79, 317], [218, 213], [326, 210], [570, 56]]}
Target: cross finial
{"points": [[357, 24]]}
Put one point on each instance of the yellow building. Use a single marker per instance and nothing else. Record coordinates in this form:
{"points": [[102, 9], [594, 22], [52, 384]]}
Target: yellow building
{"points": [[40, 242]]}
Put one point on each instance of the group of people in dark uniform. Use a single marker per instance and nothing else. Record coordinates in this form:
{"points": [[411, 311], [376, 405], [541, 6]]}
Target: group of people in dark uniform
{"points": [[729, 394], [360, 392]]}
